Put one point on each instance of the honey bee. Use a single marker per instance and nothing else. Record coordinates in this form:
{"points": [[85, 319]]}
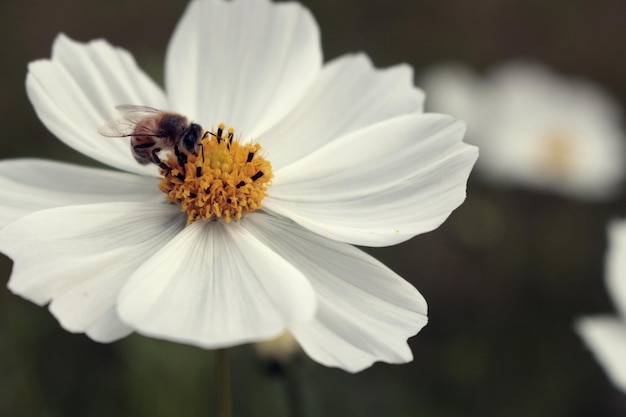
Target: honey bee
{"points": [[152, 131]]}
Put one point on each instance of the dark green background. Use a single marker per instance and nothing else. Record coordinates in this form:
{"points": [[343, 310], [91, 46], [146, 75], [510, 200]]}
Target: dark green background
{"points": [[505, 276]]}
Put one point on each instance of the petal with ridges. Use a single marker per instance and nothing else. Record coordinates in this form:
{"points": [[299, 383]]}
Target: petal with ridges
{"points": [[215, 285], [349, 94], [245, 63], [381, 185], [29, 185], [76, 91], [366, 312], [79, 257]]}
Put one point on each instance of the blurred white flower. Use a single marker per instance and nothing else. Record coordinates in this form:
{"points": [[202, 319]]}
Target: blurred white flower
{"points": [[606, 335], [354, 161], [534, 127]]}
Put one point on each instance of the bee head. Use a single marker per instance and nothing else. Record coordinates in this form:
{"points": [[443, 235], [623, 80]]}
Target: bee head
{"points": [[191, 138]]}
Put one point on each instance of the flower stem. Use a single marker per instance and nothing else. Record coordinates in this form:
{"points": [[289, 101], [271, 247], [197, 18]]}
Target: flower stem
{"points": [[223, 383], [292, 382]]}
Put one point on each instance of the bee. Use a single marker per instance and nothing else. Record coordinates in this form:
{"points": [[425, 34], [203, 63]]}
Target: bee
{"points": [[152, 131]]}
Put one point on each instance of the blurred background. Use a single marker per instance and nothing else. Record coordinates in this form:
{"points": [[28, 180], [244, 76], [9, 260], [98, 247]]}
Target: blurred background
{"points": [[505, 276]]}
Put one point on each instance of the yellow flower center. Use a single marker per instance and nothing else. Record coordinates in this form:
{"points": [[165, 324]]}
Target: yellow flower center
{"points": [[559, 153], [226, 179]]}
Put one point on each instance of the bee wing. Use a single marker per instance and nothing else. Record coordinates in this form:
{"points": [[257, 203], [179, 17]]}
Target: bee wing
{"points": [[127, 124]]}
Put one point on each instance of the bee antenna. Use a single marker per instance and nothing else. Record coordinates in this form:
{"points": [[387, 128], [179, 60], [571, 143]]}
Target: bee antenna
{"points": [[207, 133]]}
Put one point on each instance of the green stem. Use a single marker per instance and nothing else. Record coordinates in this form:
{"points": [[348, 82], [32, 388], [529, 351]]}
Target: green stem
{"points": [[223, 384], [292, 382]]}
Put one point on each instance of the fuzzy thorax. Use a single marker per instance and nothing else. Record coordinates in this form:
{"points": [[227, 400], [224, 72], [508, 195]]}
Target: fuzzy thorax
{"points": [[226, 179]]}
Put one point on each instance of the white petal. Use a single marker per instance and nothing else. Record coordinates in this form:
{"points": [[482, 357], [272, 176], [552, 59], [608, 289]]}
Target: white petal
{"points": [[79, 257], [28, 185], [348, 95], [76, 91], [606, 337], [365, 313], [381, 185], [244, 63], [108, 328], [616, 264], [215, 285]]}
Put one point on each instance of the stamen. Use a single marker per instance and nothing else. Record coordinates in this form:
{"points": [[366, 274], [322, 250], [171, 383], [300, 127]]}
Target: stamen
{"points": [[220, 130], [231, 133], [226, 179]]}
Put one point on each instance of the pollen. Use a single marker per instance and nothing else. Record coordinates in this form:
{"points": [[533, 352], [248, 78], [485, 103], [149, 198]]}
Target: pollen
{"points": [[225, 180]]}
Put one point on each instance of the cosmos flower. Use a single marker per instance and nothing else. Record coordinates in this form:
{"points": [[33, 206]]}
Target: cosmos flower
{"points": [[535, 128], [606, 335], [254, 233]]}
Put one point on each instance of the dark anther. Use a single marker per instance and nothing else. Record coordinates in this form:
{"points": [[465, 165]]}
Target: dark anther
{"points": [[219, 132], [250, 156], [257, 176], [230, 137], [241, 184], [198, 172], [193, 195], [180, 177]]}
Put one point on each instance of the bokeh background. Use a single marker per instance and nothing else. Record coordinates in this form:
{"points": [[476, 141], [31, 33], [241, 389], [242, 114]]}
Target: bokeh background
{"points": [[505, 276]]}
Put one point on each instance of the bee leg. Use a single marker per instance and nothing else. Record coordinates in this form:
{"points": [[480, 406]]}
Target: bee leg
{"points": [[154, 156], [157, 161], [199, 168], [182, 158]]}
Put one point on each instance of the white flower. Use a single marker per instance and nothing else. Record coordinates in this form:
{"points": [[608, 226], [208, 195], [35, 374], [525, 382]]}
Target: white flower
{"points": [[535, 128], [606, 335], [354, 160]]}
